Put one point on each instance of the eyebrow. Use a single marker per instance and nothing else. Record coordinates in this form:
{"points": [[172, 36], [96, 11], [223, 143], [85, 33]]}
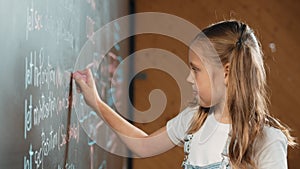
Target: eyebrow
{"points": [[193, 65]]}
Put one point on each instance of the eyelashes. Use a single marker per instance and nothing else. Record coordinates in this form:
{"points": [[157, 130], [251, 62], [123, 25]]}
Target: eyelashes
{"points": [[195, 69]]}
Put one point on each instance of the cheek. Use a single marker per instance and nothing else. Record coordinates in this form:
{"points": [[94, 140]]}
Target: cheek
{"points": [[210, 93], [204, 89]]}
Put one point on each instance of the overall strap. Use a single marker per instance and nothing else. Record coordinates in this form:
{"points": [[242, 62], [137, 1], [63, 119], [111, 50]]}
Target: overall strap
{"points": [[225, 164], [187, 144]]}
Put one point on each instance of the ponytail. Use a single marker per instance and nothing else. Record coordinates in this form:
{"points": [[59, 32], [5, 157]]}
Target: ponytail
{"points": [[246, 97]]}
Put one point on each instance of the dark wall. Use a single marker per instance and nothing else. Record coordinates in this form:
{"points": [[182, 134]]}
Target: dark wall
{"points": [[276, 25]]}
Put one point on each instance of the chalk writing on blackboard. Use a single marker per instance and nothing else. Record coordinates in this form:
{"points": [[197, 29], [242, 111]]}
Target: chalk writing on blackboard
{"points": [[67, 166], [53, 33], [92, 3], [50, 141], [117, 36], [34, 20], [28, 161], [73, 134], [42, 79], [28, 116], [90, 29], [102, 165], [45, 108], [39, 71], [59, 28], [39, 74]]}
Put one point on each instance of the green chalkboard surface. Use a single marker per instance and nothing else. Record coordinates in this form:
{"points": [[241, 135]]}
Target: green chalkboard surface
{"points": [[41, 41]]}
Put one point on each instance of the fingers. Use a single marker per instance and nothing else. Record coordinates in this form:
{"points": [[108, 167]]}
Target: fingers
{"points": [[78, 89], [80, 80], [81, 74], [83, 79], [90, 79]]}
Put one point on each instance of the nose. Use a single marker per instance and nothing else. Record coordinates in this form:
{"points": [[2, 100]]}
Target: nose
{"points": [[190, 78]]}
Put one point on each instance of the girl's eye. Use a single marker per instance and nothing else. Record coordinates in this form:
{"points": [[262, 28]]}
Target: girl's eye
{"points": [[195, 69]]}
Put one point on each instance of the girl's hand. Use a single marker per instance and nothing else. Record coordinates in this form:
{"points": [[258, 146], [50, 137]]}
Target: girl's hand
{"points": [[85, 84]]}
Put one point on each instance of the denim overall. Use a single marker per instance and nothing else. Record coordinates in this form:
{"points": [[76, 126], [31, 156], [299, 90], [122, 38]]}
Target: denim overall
{"points": [[224, 164]]}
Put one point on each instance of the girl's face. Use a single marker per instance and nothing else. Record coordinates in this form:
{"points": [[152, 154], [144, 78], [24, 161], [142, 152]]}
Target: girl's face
{"points": [[207, 84]]}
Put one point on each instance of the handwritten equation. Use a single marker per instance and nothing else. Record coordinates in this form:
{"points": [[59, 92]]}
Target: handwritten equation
{"points": [[41, 74], [47, 79], [60, 23], [50, 141]]}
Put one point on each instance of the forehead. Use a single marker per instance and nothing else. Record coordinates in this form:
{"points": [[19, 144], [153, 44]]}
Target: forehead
{"points": [[195, 58], [204, 52]]}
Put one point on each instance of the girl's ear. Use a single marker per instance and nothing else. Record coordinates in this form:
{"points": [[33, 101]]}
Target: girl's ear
{"points": [[226, 73]]}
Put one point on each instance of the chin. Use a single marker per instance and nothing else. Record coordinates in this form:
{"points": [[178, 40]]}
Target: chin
{"points": [[204, 105]]}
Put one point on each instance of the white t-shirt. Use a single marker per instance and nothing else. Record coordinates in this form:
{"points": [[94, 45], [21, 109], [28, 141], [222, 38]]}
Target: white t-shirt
{"points": [[208, 143]]}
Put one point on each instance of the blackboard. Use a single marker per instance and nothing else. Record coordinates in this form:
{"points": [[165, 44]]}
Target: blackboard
{"points": [[41, 41]]}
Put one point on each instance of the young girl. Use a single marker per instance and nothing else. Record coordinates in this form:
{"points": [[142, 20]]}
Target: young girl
{"points": [[231, 130]]}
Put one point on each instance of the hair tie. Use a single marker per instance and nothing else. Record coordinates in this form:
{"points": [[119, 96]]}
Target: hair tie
{"points": [[239, 43], [240, 40]]}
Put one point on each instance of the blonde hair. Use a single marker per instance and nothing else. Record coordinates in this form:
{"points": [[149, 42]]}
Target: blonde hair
{"points": [[247, 99]]}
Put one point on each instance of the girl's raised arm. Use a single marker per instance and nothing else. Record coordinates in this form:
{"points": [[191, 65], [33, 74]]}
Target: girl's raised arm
{"points": [[138, 141]]}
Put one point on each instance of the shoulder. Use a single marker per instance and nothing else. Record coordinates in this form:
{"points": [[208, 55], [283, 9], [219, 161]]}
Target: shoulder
{"points": [[184, 117], [188, 112], [177, 127], [271, 148], [271, 135]]}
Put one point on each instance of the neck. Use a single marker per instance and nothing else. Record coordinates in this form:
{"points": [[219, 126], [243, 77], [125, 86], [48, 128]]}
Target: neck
{"points": [[222, 114]]}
